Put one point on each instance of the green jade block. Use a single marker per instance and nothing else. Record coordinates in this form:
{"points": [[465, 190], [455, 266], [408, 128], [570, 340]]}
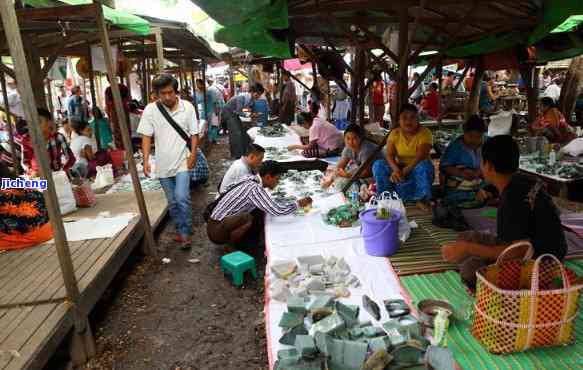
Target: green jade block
{"points": [[348, 312], [328, 325], [306, 346], [379, 343], [393, 330], [296, 305], [320, 302], [349, 354], [288, 356], [373, 331], [289, 336], [410, 326], [291, 320]]}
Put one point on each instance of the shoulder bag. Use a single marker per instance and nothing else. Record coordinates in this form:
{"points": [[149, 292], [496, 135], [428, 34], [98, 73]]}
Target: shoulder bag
{"points": [[175, 125]]}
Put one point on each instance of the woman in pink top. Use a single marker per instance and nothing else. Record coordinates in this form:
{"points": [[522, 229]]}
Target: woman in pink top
{"points": [[324, 141]]}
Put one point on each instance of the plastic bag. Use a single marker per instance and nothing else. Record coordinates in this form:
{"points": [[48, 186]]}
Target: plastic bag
{"points": [[104, 176], [67, 203], [84, 195], [396, 204]]}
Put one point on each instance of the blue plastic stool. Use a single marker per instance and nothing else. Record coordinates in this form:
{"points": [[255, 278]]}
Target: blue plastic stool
{"points": [[236, 264]]}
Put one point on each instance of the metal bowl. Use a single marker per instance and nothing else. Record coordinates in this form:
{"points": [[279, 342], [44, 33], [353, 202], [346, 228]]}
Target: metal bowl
{"points": [[427, 310]]}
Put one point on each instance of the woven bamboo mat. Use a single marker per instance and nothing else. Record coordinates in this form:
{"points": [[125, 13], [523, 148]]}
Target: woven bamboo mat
{"points": [[422, 253]]}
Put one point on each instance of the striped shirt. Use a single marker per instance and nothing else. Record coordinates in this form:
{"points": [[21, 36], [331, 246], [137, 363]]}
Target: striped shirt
{"points": [[247, 197]]}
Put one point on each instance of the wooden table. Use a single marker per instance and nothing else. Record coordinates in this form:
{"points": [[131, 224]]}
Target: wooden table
{"points": [[568, 189], [30, 332]]}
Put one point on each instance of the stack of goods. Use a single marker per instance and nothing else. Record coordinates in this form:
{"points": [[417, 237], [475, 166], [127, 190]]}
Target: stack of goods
{"points": [[343, 216], [542, 165], [276, 154]]}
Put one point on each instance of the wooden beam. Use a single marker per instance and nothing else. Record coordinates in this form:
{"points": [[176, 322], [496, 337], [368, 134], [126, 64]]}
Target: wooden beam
{"points": [[127, 142], [48, 65], [12, 32], [159, 50], [432, 63], [474, 98], [9, 121], [69, 12], [378, 43]]}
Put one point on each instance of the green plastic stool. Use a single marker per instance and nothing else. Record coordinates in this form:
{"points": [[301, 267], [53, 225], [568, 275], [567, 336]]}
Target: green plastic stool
{"points": [[236, 264]]}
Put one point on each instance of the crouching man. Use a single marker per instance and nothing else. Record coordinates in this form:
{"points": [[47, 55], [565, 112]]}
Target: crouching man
{"points": [[235, 219]]}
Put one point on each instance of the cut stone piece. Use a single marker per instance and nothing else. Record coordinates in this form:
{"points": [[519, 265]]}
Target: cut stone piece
{"points": [[392, 328], [408, 355], [440, 358], [299, 292], [348, 312], [311, 260], [303, 364], [283, 269], [371, 307], [322, 301], [378, 361], [379, 343], [352, 282], [410, 326], [328, 325], [355, 333], [280, 291], [373, 331], [306, 346], [342, 292], [288, 356], [296, 305], [354, 354], [314, 283], [316, 269], [342, 265], [289, 336], [291, 320], [323, 342], [331, 261]]}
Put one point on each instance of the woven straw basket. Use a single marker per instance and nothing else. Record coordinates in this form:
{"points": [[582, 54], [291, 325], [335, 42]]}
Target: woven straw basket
{"points": [[522, 304]]}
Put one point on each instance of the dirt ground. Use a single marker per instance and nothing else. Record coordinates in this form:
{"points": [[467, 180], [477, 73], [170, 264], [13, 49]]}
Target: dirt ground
{"points": [[182, 315]]}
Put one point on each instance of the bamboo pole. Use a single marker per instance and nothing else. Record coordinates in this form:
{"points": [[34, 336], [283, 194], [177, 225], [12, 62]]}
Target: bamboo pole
{"points": [[9, 121], [204, 97], [123, 123], [14, 41], [93, 94]]}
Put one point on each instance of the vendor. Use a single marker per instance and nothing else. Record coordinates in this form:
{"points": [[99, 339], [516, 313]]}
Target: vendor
{"points": [[239, 140], [99, 125], [357, 151], [245, 166], [325, 140], [85, 149], [407, 169], [526, 212], [460, 173], [60, 156], [551, 123], [430, 103], [24, 220], [209, 111], [231, 222]]}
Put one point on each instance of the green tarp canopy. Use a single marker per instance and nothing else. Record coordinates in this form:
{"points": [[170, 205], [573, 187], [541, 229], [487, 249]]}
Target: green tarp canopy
{"points": [[258, 26], [118, 18]]}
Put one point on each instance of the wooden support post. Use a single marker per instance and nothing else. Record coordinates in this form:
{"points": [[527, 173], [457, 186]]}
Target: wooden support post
{"points": [[9, 122], [361, 87], [36, 75], [204, 97], [474, 98], [92, 91], [50, 98], [127, 142], [439, 91], [159, 50], [403, 83], [529, 74], [14, 41]]}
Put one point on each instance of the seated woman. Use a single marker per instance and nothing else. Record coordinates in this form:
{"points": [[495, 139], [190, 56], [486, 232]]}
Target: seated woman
{"points": [[84, 149], [355, 153], [324, 138], [552, 124], [24, 220], [407, 168], [460, 173]]}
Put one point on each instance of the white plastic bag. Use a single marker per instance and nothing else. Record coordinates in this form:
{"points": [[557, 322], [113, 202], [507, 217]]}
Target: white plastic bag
{"points": [[574, 148], [67, 203], [396, 204], [104, 176]]}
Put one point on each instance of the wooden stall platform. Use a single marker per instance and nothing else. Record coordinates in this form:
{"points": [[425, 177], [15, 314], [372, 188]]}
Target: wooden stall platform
{"points": [[31, 332]]}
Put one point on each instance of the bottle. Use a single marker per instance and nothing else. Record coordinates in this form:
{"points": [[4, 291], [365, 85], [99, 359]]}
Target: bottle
{"points": [[552, 157], [354, 195]]}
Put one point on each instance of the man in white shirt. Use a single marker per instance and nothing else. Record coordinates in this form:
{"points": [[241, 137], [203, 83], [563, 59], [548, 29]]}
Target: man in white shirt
{"points": [[243, 167], [554, 90], [173, 158]]}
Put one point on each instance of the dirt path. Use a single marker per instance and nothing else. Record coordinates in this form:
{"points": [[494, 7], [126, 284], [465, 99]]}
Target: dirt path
{"points": [[182, 315]]}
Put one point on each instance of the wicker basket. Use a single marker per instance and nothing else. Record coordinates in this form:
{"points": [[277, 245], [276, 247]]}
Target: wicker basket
{"points": [[522, 304]]}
